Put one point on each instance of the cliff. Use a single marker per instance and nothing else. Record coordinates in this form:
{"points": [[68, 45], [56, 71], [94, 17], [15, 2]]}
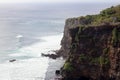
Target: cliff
{"points": [[92, 46]]}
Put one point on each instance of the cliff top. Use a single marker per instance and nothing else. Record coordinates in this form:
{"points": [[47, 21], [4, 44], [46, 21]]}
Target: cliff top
{"points": [[109, 15]]}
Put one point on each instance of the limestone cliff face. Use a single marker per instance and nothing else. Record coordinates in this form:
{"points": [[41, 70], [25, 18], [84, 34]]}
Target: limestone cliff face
{"points": [[93, 51], [66, 40], [92, 46]]}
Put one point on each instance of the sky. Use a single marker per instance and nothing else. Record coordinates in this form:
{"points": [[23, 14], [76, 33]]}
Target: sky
{"points": [[55, 1]]}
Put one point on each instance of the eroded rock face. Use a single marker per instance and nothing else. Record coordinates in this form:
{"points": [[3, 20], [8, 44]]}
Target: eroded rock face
{"points": [[114, 56], [66, 40], [92, 46], [92, 52]]}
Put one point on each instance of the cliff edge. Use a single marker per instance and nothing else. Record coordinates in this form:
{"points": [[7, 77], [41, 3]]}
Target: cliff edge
{"points": [[91, 45]]}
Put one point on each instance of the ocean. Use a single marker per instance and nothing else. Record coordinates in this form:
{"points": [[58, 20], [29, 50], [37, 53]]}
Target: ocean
{"points": [[29, 29]]}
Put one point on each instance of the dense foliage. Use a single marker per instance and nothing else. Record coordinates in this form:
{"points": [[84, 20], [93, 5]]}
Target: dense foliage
{"points": [[108, 15]]}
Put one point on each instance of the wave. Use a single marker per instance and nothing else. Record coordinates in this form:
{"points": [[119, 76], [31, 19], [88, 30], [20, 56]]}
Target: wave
{"points": [[19, 36], [29, 64]]}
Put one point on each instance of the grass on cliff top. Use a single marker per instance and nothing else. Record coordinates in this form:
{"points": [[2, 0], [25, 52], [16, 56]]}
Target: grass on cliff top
{"points": [[106, 16]]}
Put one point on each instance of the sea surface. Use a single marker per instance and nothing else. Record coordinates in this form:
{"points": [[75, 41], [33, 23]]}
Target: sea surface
{"points": [[29, 29]]}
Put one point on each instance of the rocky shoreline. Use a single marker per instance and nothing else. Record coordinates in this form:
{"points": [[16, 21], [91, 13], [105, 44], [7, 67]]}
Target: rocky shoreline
{"points": [[92, 52], [53, 69], [91, 45]]}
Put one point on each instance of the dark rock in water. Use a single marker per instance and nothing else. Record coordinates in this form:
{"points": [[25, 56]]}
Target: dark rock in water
{"points": [[12, 60], [58, 75], [57, 72], [54, 64], [53, 56]]}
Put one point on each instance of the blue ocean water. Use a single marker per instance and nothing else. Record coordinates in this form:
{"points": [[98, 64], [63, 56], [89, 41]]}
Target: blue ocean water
{"points": [[26, 29]]}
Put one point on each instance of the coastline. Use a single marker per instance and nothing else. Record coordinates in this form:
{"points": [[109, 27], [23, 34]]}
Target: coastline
{"points": [[92, 44], [54, 64], [29, 63]]}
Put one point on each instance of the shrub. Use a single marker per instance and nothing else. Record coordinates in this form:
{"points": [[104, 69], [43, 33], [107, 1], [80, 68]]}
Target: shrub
{"points": [[68, 67], [106, 50], [100, 60], [108, 12], [95, 60], [108, 15], [103, 60], [115, 37], [82, 57], [81, 28]]}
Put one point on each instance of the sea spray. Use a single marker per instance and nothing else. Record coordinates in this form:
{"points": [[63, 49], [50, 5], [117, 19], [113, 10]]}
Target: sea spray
{"points": [[34, 67]]}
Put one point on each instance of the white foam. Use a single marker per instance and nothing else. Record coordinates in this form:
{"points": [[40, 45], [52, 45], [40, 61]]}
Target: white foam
{"points": [[33, 68], [50, 43], [24, 70], [19, 36]]}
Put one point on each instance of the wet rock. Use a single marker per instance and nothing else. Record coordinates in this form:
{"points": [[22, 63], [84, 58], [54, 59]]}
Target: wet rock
{"points": [[57, 72], [53, 56], [12, 60]]}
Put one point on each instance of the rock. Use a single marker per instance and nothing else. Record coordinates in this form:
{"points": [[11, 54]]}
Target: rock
{"points": [[92, 51], [12, 60], [57, 72], [53, 56]]}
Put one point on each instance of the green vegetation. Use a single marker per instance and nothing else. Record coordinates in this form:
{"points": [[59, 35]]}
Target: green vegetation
{"points": [[68, 67], [100, 60], [81, 28], [115, 37], [103, 60], [82, 57], [106, 50], [106, 16], [95, 60]]}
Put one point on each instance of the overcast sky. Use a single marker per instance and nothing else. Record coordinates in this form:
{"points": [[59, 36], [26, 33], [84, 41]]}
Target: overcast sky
{"points": [[54, 1]]}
